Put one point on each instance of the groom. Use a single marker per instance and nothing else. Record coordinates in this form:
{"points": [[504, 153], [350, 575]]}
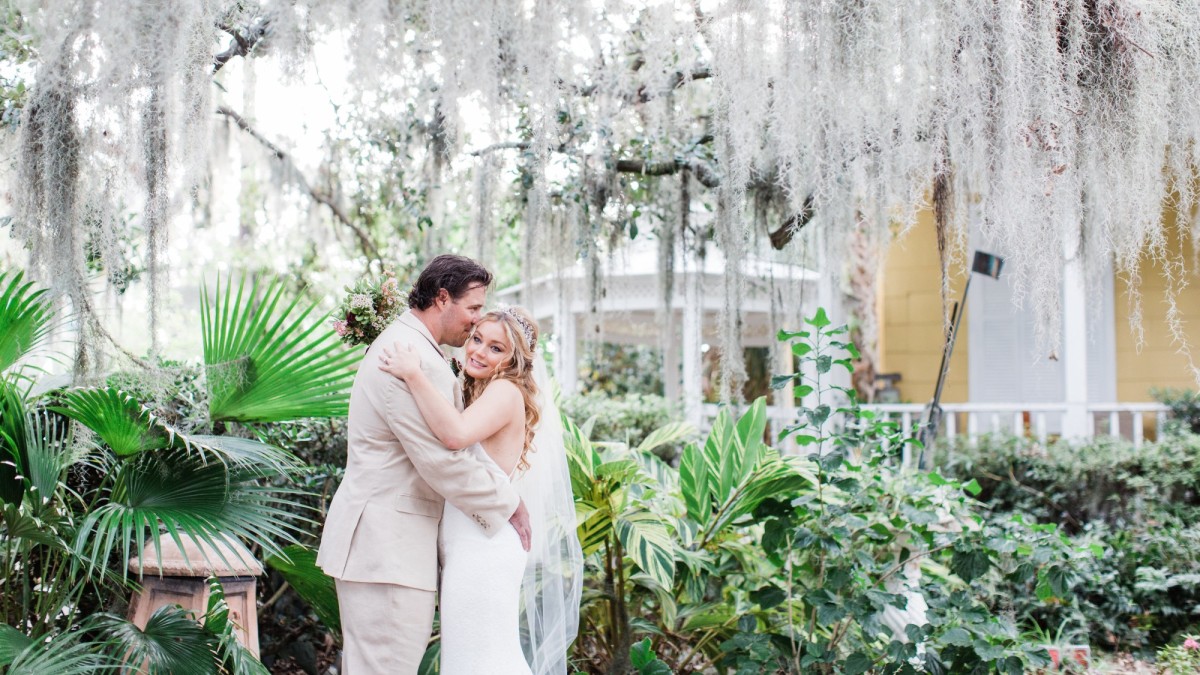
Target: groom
{"points": [[380, 537]]}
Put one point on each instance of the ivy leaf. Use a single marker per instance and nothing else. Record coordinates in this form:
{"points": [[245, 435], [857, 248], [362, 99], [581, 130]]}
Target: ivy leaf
{"points": [[781, 381], [768, 596], [785, 335], [958, 637], [970, 565], [801, 348], [819, 320], [857, 664], [824, 363], [973, 488]]}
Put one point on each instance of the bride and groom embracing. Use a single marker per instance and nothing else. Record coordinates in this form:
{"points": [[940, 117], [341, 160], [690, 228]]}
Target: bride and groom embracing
{"points": [[492, 475]]}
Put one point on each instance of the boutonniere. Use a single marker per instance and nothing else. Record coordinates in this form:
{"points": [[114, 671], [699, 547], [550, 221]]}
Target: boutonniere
{"points": [[455, 366]]}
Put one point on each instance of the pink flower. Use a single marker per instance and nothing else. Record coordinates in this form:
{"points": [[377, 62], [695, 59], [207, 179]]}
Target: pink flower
{"points": [[1191, 644], [340, 327]]}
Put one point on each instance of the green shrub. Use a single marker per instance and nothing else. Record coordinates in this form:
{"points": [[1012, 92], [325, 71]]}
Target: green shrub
{"points": [[1074, 484], [1185, 409], [627, 419], [1135, 506]]}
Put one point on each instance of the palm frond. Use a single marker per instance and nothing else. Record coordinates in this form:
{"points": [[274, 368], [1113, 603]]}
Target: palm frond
{"points": [[12, 642], [48, 455], [13, 456], [123, 423], [298, 565], [266, 360], [186, 495], [26, 317], [64, 654], [127, 427], [235, 658], [245, 453], [172, 642], [20, 525]]}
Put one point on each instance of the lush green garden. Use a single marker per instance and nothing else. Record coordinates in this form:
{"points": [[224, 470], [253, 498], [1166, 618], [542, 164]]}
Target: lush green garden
{"points": [[713, 554]]}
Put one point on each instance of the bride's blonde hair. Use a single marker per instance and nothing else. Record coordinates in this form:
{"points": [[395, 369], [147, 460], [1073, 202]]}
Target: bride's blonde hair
{"points": [[522, 333]]}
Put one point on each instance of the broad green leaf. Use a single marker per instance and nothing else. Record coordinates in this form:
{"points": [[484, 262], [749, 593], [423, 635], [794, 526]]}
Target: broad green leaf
{"points": [[750, 429], [298, 565], [648, 543], [668, 434], [269, 359], [694, 484]]}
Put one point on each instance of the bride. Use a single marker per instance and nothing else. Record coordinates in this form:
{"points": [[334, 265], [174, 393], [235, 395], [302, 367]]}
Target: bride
{"points": [[504, 610]]}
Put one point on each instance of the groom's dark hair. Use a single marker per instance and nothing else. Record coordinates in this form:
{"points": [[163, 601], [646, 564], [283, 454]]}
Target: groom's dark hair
{"points": [[455, 273]]}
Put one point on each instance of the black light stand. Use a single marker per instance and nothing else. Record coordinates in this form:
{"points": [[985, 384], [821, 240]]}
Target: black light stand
{"points": [[931, 418]]}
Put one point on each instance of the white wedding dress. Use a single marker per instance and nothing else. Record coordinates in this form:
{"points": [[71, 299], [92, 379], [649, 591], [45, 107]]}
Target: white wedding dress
{"points": [[480, 594]]}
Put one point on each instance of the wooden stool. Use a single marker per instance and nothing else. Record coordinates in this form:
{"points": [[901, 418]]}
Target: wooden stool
{"points": [[181, 580]]}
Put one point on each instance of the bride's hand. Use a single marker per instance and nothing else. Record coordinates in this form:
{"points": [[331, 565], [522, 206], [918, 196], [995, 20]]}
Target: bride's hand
{"points": [[401, 361]]}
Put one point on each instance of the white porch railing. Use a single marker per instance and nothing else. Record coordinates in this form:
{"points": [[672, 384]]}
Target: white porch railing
{"points": [[1041, 421]]}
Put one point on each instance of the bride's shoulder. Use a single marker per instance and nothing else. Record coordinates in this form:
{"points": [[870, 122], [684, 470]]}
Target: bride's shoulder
{"points": [[503, 388]]}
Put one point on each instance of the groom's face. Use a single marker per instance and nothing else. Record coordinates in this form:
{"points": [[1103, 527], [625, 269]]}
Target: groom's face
{"points": [[459, 315]]}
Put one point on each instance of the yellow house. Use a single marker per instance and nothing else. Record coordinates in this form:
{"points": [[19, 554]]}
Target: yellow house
{"points": [[998, 377]]}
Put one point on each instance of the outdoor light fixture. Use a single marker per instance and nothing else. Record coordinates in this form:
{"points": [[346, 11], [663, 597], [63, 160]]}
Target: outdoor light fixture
{"points": [[931, 419]]}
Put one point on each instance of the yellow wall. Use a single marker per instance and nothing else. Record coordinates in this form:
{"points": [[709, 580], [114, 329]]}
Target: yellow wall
{"points": [[910, 320], [1159, 363], [910, 317]]}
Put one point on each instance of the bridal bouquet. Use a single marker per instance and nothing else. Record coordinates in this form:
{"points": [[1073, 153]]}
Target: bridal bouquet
{"points": [[369, 306]]}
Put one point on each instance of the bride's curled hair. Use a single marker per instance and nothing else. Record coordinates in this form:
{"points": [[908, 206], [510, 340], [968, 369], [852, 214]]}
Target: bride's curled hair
{"points": [[522, 333]]}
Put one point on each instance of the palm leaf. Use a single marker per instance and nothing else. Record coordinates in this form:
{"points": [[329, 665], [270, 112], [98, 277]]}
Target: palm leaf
{"points": [[129, 428], [13, 455], [266, 360], [48, 455], [123, 423], [62, 655], [12, 642], [24, 526], [187, 495], [235, 658], [25, 318], [298, 565], [172, 642]]}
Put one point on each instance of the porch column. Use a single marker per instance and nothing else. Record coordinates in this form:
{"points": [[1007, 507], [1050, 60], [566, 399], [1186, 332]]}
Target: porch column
{"points": [[671, 350], [566, 360], [693, 314], [1076, 422]]}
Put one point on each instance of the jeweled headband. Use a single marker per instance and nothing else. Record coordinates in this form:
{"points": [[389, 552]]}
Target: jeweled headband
{"points": [[525, 326]]}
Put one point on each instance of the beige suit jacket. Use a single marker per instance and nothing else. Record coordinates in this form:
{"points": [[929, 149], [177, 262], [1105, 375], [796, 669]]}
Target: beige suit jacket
{"points": [[382, 526]]}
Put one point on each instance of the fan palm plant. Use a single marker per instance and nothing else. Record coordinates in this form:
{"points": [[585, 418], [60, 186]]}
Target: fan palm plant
{"points": [[88, 475]]}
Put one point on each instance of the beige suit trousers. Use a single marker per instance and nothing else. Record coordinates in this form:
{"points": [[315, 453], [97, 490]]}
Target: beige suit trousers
{"points": [[385, 627]]}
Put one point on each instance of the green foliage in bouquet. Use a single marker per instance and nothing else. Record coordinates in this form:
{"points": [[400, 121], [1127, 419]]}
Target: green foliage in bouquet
{"points": [[369, 306]]}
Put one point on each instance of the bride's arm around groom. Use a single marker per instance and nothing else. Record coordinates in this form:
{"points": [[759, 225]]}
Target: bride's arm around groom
{"points": [[380, 536]]}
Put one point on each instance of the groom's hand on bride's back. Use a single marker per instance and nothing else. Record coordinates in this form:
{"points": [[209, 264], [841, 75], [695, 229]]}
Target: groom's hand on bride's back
{"points": [[520, 522]]}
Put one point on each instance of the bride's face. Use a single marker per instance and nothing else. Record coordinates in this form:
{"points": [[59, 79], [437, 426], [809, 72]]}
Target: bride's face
{"points": [[486, 350]]}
